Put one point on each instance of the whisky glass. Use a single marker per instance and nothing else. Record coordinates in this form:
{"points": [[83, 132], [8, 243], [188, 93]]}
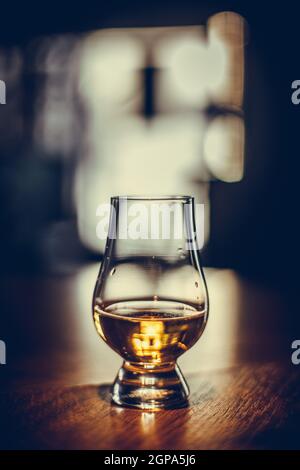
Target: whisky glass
{"points": [[150, 302]]}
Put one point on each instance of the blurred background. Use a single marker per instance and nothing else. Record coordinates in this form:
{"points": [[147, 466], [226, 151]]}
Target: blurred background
{"points": [[153, 98], [128, 97], [164, 99]]}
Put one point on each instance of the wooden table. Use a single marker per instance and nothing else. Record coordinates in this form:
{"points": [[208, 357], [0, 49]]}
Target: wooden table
{"points": [[54, 393]]}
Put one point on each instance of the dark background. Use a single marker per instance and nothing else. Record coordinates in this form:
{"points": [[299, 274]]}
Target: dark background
{"points": [[253, 222], [254, 231]]}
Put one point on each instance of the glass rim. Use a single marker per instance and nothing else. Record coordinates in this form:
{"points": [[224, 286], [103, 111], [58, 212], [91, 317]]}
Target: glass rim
{"points": [[153, 198]]}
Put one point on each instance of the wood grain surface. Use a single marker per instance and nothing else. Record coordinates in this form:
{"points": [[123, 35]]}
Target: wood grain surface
{"points": [[55, 388]]}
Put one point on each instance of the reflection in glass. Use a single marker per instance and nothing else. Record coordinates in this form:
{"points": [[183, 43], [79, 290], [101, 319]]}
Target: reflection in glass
{"points": [[150, 302]]}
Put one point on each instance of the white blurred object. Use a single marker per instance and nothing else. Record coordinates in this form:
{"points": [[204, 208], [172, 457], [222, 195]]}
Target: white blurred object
{"points": [[178, 150]]}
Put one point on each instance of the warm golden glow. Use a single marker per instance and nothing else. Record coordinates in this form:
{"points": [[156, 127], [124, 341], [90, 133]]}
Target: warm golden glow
{"points": [[150, 340], [217, 348], [150, 331], [99, 327], [229, 28]]}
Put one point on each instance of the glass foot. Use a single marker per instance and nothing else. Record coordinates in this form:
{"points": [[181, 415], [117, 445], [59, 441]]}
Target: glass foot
{"points": [[152, 388]]}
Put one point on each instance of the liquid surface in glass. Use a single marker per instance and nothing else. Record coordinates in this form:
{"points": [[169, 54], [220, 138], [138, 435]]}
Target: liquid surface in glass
{"points": [[150, 331]]}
